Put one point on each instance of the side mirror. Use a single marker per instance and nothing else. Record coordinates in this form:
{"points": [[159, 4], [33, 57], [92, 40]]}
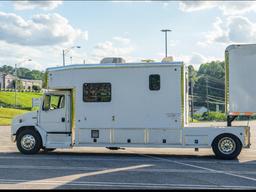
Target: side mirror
{"points": [[36, 102], [46, 108], [46, 103]]}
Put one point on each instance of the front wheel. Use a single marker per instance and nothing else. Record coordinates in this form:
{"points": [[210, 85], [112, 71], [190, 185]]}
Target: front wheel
{"points": [[29, 141], [226, 146]]}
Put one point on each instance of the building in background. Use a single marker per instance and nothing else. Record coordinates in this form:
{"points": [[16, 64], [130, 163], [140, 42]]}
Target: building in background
{"points": [[7, 81]]}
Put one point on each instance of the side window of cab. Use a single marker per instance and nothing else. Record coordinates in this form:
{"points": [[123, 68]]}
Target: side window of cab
{"points": [[52, 102]]}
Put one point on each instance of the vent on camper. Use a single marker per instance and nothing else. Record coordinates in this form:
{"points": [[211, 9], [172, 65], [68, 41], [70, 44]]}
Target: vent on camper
{"points": [[167, 59], [112, 60]]}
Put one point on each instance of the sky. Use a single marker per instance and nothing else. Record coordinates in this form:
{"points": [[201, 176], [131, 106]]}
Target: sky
{"points": [[201, 30]]}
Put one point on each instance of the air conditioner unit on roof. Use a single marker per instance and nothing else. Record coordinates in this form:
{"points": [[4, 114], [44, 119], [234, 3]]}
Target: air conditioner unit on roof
{"points": [[112, 60]]}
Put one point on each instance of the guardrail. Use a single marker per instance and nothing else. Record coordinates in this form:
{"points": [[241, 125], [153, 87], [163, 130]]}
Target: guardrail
{"points": [[21, 90]]}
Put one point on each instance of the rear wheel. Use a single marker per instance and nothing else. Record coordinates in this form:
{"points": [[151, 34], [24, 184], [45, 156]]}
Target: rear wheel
{"points": [[226, 146], [29, 141]]}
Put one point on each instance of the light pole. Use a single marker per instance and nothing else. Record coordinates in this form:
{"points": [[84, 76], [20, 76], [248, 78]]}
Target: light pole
{"points": [[15, 85], [165, 31], [65, 51]]}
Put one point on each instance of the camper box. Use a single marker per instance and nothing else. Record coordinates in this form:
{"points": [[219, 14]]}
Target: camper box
{"points": [[141, 103]]}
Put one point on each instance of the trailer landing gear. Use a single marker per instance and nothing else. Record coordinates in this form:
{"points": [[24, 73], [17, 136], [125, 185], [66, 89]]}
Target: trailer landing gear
{"points": [[231, 118]]}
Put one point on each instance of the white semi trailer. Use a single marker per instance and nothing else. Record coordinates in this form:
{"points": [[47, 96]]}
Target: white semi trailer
{"points": [[123, 105]]}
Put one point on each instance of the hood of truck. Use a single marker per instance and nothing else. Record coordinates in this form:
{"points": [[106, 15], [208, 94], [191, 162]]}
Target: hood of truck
{"points": [[26, 118]]}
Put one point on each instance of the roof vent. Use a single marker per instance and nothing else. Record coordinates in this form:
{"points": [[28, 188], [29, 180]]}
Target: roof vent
{"points": [[112, 60], [167, 59]]}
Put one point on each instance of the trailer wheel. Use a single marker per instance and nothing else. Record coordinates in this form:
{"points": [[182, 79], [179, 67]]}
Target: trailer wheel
{"points": [[226, 146], [29, 141]]}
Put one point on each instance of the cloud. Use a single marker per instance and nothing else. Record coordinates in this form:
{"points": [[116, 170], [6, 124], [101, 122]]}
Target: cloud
{"points": [[189, 6], [195, 59], [122, 40], [120, 47], [237, 7], [41, 30], [32, 4], [42, 57], [235, 29], [227, 7]]}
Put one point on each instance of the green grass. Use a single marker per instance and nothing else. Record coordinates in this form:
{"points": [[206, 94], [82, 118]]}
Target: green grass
{"points": [[194, 120], [24, 100], [7, 114]]}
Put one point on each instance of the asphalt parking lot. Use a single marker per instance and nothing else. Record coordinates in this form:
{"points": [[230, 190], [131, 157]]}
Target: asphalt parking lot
{"points": [[100, 168]]}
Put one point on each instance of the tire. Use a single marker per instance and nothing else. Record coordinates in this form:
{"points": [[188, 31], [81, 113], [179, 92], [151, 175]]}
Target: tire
{"points": [[48, 149], [226, 146], [29, 141]]}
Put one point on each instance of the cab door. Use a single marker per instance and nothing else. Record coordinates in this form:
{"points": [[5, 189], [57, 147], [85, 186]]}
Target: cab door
{"points": [[55, 113]]}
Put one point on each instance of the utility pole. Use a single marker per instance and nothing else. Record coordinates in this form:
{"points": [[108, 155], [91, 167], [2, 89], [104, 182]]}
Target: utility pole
{"points": [[15, 86], [65, 51], [16, 79], [63, 57], [207, 101], [165, 31], [192, 100], [71, 60]]}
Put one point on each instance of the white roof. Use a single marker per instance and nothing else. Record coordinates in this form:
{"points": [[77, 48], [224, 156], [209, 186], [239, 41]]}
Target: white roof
{"points": [[112, 65], [232, 46]]}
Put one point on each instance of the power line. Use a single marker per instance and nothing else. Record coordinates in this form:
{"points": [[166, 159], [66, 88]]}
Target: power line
{"points": [[216, 88], [216, 103]]}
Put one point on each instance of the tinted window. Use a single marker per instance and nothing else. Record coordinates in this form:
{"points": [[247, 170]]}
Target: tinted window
{"points": [[97, 92], [154, 82]]}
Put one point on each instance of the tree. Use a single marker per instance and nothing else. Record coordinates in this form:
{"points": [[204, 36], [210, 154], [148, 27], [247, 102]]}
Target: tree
{"points": [[36, 88], [18, 84], [209, 87], [23, 72], [7, 69]]}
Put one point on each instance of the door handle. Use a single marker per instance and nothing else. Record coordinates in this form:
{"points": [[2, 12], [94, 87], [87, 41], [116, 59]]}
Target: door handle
{"points": [[63, 119]]}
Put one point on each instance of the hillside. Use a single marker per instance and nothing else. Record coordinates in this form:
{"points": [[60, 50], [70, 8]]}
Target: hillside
{"points": [[7, 114], [24, 99]]}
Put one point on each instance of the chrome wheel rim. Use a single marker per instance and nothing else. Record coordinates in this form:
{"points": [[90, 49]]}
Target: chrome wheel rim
{"points": [[28, 142], [227, 145]]}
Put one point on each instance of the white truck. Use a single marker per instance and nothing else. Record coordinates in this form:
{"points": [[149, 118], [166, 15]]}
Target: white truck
{"points": [[124, 105]]}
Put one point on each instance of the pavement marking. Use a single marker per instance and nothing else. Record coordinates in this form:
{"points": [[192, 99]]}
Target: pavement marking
{"points": [[57, 181], [5, 183], [154, 170], [128, 159], [204, 168]]}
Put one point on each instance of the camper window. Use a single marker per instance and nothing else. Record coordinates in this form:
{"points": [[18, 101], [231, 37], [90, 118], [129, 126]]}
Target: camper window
{"points": [[97, 92], [154, 82]]}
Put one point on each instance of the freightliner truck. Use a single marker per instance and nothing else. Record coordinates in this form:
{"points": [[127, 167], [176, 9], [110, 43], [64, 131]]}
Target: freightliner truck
{"points": [[142, 105]]}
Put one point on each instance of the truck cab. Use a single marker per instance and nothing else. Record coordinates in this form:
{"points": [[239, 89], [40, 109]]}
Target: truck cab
{"points": [[51, 123]]}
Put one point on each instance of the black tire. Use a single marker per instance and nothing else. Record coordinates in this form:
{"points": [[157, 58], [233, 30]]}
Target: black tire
{"points": [[34, 146], [233, 149], [48, 149]]}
